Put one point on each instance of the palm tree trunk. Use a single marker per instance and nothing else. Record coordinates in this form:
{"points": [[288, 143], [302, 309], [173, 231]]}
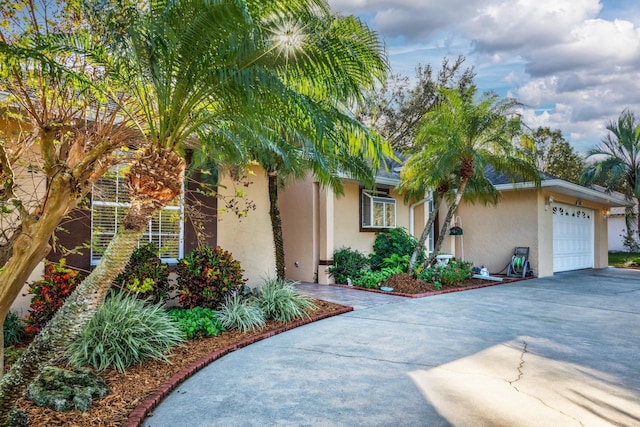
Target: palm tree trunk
{"points": [[276, 224], [153, 182], [65, 325], [637, 213], [447, 222], [425, 234]]}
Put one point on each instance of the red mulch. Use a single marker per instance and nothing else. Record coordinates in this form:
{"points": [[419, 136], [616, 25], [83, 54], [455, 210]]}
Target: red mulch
{"points": [[130, 389]]}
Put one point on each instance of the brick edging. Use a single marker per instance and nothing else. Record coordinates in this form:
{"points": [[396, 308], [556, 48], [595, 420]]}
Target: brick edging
{"points": [[442, 291], [137, 416]]}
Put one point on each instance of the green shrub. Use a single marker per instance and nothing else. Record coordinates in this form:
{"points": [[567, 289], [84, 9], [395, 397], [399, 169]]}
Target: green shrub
{"points": [[241, 313], [206, 276], [197, 322], [373, 279], [399, 263], [348, 264], [282, 302], [451, 274], [393, 241], [63, 390], [49, 294], [17, 418], [125, 331], [13, 329], [146, 276]]}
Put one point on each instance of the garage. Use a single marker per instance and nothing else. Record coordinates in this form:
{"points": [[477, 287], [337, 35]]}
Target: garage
{"points": [[573, 238]]}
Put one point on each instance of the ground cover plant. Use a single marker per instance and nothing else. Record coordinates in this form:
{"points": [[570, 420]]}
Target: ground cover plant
{"points": [[241, 313], [624, 259], [281, 301], [197, 322]]}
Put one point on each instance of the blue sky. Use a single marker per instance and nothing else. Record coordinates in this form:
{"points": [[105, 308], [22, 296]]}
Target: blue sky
{"points": [[575, 64]]}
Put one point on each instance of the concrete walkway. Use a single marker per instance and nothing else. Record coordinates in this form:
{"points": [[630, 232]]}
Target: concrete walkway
{"points": [[558, 351]]}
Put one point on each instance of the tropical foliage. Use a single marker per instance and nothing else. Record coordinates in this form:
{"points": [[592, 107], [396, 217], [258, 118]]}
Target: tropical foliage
{"points": [[615, 164], [244, 314], [197, 322], [124, 332], [348, 264], [206, 276], [552, 154], [280, 300], [458, 140], [146, 275]]}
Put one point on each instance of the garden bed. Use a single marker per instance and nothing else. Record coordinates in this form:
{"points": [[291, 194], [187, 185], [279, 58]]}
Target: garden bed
{"points": [[142, 387], [406, 286]]}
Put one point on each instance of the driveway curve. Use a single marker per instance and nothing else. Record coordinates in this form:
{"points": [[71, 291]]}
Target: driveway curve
{"points": [[556, 351]]}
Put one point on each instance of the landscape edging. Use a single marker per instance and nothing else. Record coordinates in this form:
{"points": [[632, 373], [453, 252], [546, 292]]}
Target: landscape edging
{"points": [[137, 416]]}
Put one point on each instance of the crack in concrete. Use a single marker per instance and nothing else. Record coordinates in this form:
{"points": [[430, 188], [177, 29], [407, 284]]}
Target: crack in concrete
{"points": [[520, 367], [521, 374], [358, 356]]}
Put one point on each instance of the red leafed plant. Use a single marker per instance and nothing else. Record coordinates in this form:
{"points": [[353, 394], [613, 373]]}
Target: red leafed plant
{"points": [[49, 294], [206, 276]]}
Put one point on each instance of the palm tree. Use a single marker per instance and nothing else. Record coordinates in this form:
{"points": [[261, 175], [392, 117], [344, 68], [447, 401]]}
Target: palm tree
{"points": [[185, 63], [616, 163], [458, 139], [329, 62]]}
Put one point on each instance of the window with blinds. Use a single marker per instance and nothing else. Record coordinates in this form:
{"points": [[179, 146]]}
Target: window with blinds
{"points": [[109, 204]]}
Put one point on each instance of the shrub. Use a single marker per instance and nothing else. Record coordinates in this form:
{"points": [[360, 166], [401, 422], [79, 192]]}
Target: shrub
{"points": [[49, 294], [13, 329], [125, 331], [146, 276], [373, 279], [394, 241], [206, 276], [282, 302], [63, 390], [348, 264], [241, 313], [197, 322], [451, 274]]}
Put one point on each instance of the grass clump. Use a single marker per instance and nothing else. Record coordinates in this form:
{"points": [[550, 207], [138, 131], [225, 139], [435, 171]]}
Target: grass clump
{"points": [[124, 332], [281, 301], [13, 329], [241, 313], [197, 322]]}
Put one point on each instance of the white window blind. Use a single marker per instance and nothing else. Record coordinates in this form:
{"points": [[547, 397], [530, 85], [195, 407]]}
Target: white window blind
{"points": [[378, 210], [109, 204]]}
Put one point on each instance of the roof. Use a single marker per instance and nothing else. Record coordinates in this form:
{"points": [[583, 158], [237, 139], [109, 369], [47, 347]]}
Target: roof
{"points": [[559, 186]]}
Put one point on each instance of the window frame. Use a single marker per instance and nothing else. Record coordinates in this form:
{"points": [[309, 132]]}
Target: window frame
{"points": [[378, 196], [150, 235]]}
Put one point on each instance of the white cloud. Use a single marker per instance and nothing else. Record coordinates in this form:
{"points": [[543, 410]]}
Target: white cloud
{"points": [[578, 61]]}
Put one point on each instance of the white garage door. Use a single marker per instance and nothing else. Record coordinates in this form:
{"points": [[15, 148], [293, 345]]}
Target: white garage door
{"points": [[573, 243]]}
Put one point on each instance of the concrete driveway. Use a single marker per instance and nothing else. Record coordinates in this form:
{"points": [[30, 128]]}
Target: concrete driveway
{"points": [[558, 351]]}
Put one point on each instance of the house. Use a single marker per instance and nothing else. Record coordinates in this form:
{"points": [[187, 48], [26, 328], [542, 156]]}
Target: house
{"points": [[618, 229], [564, 225]]}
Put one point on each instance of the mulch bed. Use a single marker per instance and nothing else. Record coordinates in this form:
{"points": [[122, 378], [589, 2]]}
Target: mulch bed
{"points": [[406, 285], [139, 390]]}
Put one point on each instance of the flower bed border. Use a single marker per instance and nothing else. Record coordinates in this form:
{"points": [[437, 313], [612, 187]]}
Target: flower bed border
{"points": [[137, 416], [505, 281]]}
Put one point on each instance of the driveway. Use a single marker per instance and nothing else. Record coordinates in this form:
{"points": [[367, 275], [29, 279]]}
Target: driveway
{"points": [[557, 351]]}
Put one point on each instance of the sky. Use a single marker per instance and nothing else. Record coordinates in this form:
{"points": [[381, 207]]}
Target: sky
{"points": [[574, 64]]}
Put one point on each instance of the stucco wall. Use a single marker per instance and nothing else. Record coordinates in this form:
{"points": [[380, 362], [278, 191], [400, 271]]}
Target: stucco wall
{"points": [[249, 239], [491, 233], [616, 229], [299, 210]]}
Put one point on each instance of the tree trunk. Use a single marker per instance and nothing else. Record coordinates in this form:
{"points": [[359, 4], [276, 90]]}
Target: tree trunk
{"points": [[447, 222], [153, 182], [276, 224], [637, 213], [65, 325], [425, 234], [32, 245]]}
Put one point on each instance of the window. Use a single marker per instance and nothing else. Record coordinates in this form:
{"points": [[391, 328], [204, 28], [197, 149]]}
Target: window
{"points": [[378, 210], [109, 204]]}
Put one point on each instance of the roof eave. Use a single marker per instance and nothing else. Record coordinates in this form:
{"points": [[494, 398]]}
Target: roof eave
{"points": [[570, 189]]}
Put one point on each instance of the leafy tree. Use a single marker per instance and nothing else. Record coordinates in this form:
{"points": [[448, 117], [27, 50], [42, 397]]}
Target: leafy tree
{"points": [[348, 58], [615, 162], [184, 64], [552, 154], [466, 136], [396, 108]]}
